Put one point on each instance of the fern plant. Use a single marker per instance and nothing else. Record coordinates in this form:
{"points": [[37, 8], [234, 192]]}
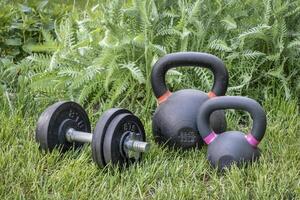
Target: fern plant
{"points": [[103, 54]]}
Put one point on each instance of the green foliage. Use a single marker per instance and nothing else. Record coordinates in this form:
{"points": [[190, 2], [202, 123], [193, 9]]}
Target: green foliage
{"points": [[100, 53], [22, 24]]}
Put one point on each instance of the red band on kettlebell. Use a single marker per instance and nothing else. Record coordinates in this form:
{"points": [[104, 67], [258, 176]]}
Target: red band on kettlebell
{"points": [[211, 94], [208, 139], [164, 97], [252, 140]]}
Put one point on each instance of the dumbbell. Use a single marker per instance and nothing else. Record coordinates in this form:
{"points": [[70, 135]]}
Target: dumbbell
{"points": [[119, 137]]}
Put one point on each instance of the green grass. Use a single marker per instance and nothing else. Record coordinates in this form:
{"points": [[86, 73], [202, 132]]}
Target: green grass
{"points": [[100, 54], [28, 173]]}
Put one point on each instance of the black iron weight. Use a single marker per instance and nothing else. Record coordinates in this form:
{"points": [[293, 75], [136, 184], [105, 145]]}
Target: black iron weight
{"points": [[174, 121], [232, 147], [119, 137]]}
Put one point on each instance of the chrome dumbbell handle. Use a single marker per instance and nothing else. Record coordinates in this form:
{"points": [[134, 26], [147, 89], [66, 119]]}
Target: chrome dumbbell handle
{"points": [[78, 136]]}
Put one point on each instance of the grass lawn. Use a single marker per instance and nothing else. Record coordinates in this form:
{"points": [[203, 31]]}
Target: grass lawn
{"points": [[28, 173], [100, 53]]}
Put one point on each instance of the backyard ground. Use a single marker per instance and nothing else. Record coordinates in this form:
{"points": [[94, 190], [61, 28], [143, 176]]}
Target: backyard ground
{"points": [[100, 54]]}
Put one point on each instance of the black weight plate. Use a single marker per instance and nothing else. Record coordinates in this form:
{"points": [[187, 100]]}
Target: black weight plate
{"points": [[100, 131], [55, 120], [117, 128]]}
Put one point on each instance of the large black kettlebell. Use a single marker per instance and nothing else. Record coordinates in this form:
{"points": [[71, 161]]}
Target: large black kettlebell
{"points": [[174, 121], [232, 146]]}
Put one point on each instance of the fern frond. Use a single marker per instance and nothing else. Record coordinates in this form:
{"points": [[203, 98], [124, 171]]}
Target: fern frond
{"points": [[273, 57], [254, 31], [54, 61], [109, 40], [251, 55], [69, 72], [65, 33], [158, 49], [219, 45], [48, 37], [196, 10], [45, 82], [174, 72], [168, 31], [84, 76], [169, 14], [294, 44], [39, 62], [91, 71], [294, 12], [109, 74], [89, 90], [141, 8], [229, 23], [233, 56], [268, 10], [283, 29], [135, 72], [204, 76], [119, 87]]}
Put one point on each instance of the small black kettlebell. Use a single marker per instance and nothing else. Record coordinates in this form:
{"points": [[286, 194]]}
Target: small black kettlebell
{"points": [[174, 121], [232, 146]]}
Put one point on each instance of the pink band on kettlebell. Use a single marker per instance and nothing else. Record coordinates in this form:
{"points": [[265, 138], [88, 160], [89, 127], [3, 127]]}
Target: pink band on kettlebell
{"points": [[252, 140], [208, 139]]}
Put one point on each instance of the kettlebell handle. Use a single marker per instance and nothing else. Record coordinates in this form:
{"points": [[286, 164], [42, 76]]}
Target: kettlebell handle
{"points": [[197, 59], [257, 113]]}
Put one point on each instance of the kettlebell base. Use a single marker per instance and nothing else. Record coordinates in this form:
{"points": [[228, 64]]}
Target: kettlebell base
{"points": [[231, 148]]}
